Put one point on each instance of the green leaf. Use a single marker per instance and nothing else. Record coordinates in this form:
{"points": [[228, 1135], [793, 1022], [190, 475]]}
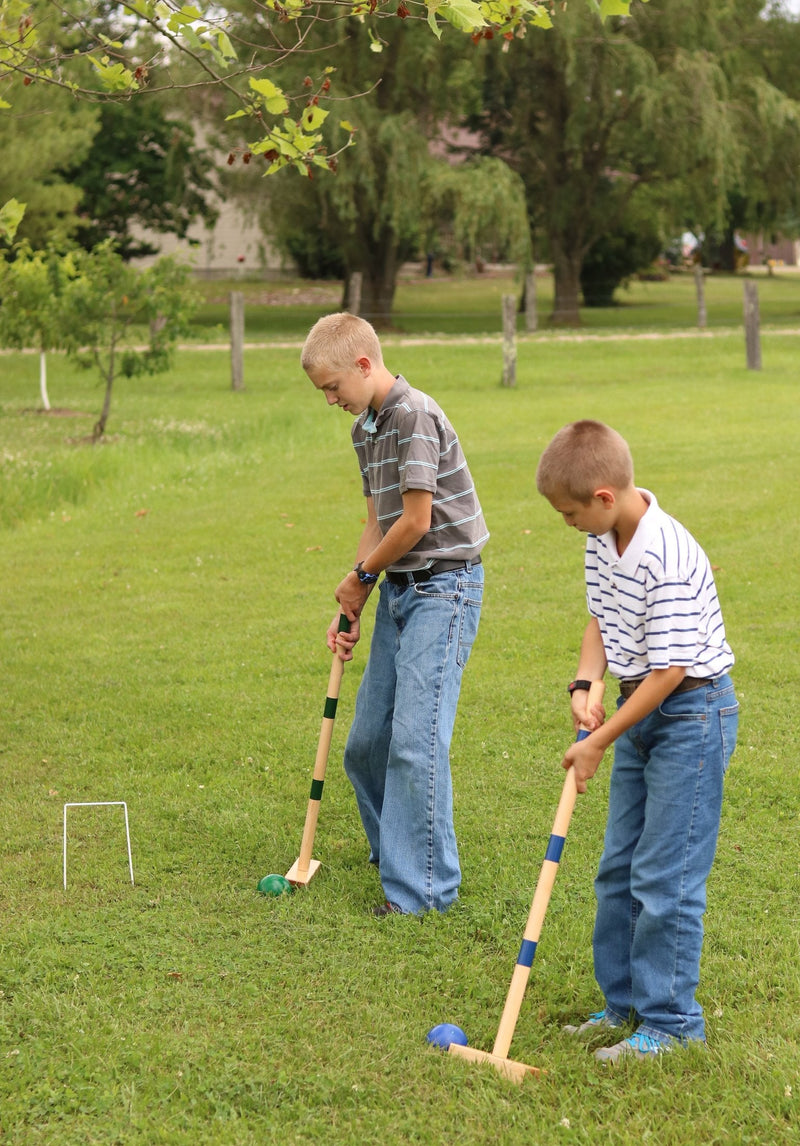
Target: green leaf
{"points": [[614, 8], [10, 218], [313, 117], [224, 46], [275, 101], [462, 14], [114, 77], [433, 23]]}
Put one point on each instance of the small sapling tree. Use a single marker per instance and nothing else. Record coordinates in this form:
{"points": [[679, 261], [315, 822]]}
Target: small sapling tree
{"points": [[125, 321], [31, 292]]}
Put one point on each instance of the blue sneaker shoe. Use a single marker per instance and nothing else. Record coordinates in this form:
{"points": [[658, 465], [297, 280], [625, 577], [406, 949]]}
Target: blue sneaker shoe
{"points": [[599, 1021], [639, 1046]]}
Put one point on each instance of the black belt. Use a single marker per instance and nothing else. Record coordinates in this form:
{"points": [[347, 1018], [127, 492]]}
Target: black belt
{"points": [[414, 576], [628, 687]]}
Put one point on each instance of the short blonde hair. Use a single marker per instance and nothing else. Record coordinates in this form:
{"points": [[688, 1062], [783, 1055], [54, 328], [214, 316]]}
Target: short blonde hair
{"points": [[337, 341], [582, 457]]}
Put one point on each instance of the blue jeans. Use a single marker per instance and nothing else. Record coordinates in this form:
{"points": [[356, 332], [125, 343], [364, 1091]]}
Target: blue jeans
{"points": [[663, 819], [398, 750]]}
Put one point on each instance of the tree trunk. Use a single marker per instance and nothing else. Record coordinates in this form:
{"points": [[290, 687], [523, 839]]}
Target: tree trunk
{"points": [[43, 379], [567, 286], [378, 288], [379, 260], [99, 427]]}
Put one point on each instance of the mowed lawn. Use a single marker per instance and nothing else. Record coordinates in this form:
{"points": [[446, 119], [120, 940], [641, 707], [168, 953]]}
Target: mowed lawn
{"points": [[164, 602]]}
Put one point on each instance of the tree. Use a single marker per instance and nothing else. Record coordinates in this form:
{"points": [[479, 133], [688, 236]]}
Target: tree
{"points": [[372, 211], [110, 306], [594, 113], [143, 167], [622, 251], [391, 196], [32, 286], [766, 196], [475, 211], [44, 134], [133, 45]]}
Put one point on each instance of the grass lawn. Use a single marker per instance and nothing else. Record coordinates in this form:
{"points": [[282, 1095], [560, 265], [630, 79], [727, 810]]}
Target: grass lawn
{"points": [[165, 597], [471, 304]]}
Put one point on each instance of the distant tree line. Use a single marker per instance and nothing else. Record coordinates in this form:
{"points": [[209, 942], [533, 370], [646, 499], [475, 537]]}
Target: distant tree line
{"points": [[585, 145]]}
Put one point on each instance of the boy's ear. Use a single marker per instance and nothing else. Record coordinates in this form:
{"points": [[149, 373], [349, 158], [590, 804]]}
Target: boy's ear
{"points": [[364, 364], [607, 496]]}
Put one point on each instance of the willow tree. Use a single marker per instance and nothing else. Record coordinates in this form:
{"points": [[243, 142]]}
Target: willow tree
{"points": [[391, 193], [598, 111]]}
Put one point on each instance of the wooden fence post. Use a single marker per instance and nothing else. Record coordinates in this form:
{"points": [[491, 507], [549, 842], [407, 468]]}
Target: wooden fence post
{"points": [[531, 317], [752, 330], [509, 340], [237, 340], [700, 288]]}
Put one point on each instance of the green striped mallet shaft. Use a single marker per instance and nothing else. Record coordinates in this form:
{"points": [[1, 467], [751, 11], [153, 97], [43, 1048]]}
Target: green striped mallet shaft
{"points": [[304, 867]]}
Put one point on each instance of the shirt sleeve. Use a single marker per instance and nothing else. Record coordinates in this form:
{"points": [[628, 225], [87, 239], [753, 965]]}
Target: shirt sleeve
{"points": [[418, 452]]}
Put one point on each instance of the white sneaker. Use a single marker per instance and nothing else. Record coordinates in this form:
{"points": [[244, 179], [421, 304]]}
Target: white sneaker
{"points": [[639, 1046], [599, 1021]]}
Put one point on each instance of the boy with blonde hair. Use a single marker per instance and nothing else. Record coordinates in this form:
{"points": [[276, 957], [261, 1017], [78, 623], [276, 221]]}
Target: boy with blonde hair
{"points": [[424, 532], [656, 625]]}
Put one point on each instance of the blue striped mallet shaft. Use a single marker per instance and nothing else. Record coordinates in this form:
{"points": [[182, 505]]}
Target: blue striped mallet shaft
{"points": [[541, 898], [304, 867]]}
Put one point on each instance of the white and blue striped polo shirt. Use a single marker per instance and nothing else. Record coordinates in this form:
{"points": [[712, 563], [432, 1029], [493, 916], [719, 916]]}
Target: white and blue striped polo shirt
{"points": [[410, 444], [657, 604]]}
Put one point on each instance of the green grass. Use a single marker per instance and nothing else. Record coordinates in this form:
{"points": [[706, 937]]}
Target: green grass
{"points": [[471, 304], [165, 598]]}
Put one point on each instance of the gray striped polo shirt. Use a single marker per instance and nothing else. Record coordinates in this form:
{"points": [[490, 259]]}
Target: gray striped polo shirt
{"points": [[410, 444], [656, 604]]}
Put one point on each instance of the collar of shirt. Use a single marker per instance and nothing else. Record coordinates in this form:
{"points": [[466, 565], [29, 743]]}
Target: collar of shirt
{"points": [[373, 418], [630, 560]]}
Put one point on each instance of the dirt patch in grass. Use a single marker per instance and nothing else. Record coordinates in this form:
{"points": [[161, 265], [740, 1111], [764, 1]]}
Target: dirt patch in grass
{"points": [[57, 412]]}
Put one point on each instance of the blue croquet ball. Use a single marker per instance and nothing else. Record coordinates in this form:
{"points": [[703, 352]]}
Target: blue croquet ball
{"points": [[446, 1033], [274, 885]]}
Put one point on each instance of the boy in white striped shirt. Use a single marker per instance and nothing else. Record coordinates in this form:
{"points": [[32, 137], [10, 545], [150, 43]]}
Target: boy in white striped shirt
{"points": [[656, 625]]}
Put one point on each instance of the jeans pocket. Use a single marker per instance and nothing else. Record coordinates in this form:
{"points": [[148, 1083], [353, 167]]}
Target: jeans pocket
{"points": [[467, 629], [729, 731]]}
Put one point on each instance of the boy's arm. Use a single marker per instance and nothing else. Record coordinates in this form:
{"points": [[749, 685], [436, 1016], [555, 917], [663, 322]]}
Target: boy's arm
{"points": [[377, 552], [586, 754], [592, 665]]}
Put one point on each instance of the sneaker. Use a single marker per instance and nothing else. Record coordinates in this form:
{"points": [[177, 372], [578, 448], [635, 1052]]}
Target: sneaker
{"points": [[384, 909], [639, 1046], [599, 1021]]}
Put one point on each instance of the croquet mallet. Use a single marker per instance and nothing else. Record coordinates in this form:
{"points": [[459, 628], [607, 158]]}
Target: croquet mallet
{"points": [[304, 867], [517, 1071]]}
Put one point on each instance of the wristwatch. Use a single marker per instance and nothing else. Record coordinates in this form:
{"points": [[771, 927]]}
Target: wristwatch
{"points": [[578, 686], [364, 577]]}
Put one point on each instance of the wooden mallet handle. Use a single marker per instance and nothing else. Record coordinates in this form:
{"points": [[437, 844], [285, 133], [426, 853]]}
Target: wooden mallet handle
{"points": [[541, 898]]}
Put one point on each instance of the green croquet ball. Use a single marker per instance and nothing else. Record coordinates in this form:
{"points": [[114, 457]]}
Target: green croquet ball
{"points": [[274, 885]]}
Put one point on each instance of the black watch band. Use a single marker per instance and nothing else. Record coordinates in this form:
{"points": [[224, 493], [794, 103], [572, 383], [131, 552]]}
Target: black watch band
{"points": [[578, 686], [364, 577]]}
